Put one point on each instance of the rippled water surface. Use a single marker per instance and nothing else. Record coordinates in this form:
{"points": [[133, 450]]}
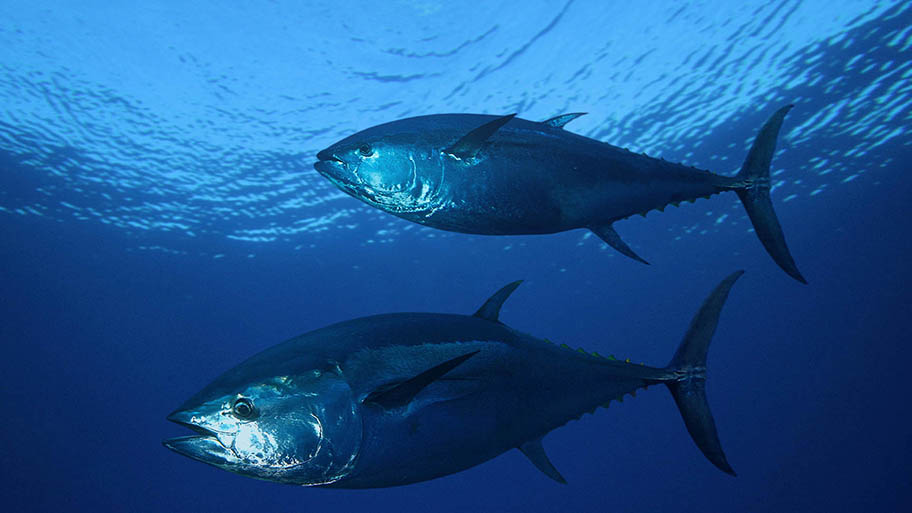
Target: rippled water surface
{"points": [[161, 221], [202, 120]]}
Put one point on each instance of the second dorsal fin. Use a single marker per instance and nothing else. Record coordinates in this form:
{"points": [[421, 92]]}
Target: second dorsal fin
{"points": [[563, 119], [490, 310]]}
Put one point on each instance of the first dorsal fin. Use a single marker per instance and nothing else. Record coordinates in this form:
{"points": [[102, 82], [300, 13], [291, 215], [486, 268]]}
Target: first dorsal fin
{"points": [[401, 394], [536, 454], [563, 119], [471, 143], [490, 310]]}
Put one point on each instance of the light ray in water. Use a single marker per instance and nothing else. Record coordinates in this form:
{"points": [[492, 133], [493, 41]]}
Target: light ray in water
{"points": [[166, 131]]}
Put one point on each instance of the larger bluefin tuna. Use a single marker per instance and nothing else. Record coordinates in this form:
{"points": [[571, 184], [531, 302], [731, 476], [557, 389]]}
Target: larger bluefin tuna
{"points": [[395, 399], [504, 175]]}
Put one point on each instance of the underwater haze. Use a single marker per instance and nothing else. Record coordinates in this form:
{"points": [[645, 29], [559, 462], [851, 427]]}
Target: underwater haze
{"points": [[161, 221]]}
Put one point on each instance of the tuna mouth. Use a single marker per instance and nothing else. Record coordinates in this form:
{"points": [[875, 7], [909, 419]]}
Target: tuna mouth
{"points": [[336, 174], [183, 418], [205, 446], [327, 155], [336, 169]]}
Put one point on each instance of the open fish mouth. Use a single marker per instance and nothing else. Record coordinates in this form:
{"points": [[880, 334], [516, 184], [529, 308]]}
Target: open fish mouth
{"points": [[204, 446], [336, 170]]}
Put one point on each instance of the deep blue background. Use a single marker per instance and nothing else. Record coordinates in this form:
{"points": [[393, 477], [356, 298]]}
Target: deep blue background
{"points": [[102, 338], [807, 383]]}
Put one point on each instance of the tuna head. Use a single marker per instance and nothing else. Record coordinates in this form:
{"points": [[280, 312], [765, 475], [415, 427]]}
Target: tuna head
{"points": [[399, 172], [302, 429]]}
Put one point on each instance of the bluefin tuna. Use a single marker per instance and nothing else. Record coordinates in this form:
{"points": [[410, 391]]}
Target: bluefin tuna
{"points": [[502, 175], [400, 398]]}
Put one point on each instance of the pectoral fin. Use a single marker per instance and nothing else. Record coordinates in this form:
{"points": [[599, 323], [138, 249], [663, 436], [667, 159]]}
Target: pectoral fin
{"points": [[611, 237], [467, 147], [536, 454], [401, 394]]}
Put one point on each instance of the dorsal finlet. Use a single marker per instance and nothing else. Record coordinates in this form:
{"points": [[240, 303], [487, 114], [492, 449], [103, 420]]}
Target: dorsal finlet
{"points": [[563, 119], [491, 308]]}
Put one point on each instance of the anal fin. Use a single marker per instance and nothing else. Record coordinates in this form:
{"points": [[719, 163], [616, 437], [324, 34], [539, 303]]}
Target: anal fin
{"points": [[536, 454], [611, 237]]}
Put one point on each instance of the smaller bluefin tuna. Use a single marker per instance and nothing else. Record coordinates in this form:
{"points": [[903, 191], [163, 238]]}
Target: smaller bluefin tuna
{"points": [[399, 398], [502, 175]]}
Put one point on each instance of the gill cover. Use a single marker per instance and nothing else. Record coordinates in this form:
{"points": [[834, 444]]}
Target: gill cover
{"points": [[389, 172], [304, 429]]}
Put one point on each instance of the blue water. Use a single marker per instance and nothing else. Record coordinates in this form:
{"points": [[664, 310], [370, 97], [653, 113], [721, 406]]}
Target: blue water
{"points": [[160, 221]]}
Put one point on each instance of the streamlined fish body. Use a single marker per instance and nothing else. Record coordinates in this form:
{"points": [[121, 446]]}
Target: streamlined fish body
{"points": [[502, 175], [396, 399]]}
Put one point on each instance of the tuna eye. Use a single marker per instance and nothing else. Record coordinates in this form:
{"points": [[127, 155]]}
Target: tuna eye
{"points": [[243, 408], [365, 150]]}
